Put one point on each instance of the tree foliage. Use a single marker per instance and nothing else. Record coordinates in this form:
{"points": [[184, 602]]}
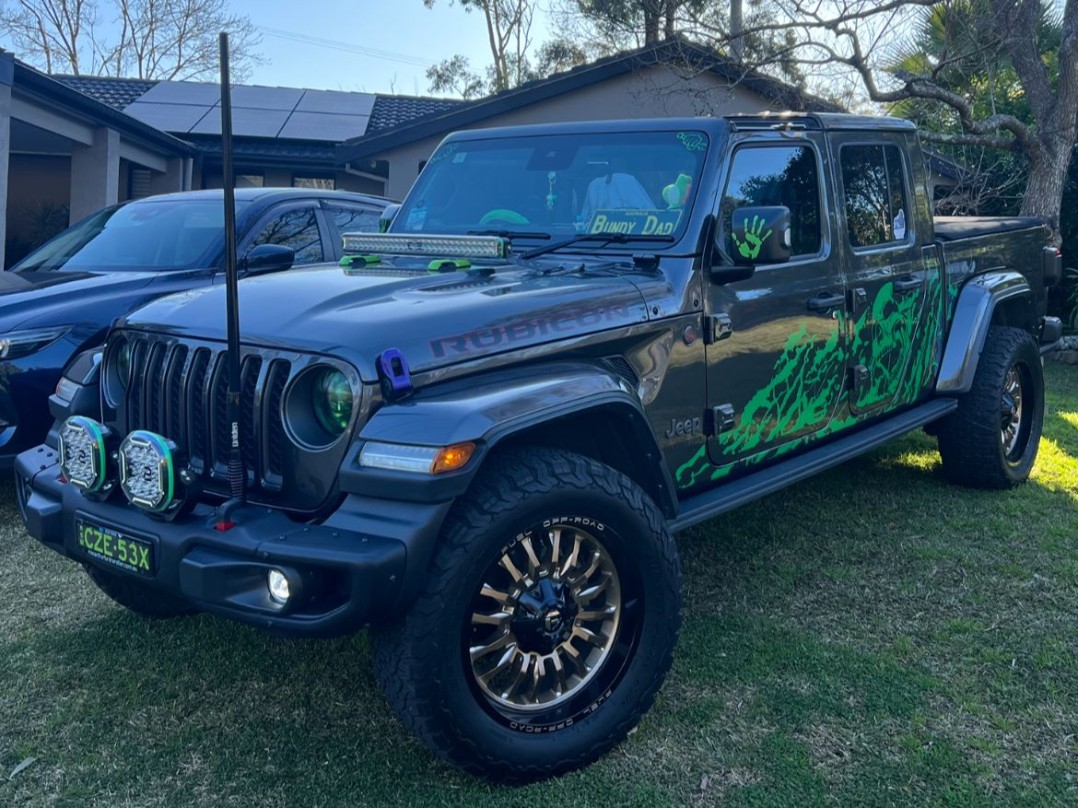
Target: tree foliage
{"points": [[148, 39]]}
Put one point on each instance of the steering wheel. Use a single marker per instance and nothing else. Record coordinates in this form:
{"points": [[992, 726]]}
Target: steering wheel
{"points": [[503, 216]]}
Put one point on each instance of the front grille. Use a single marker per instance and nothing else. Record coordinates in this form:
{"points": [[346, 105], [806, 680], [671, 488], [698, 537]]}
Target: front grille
{"points": [[182, 393]]}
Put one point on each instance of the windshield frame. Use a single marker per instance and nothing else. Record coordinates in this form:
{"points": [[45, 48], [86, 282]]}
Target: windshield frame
{"points": [[705, 141]]}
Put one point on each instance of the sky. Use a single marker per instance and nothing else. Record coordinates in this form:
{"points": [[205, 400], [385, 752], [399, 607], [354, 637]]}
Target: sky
{"points": [[368, 45]]}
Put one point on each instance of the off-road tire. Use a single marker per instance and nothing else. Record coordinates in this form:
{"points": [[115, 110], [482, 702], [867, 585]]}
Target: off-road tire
{"points": [[970, 439], [137, 597], [422, 662]]}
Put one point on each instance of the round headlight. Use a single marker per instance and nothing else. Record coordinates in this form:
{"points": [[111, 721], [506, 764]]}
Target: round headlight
{"points": [[148, 471], [332, 401]]}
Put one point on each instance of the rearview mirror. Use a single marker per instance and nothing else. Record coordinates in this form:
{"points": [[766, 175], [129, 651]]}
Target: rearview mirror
{"points": [[268, 258], [760, 235]]}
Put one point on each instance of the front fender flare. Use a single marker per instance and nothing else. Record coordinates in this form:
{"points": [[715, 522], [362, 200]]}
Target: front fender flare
{"points": [[976, 305]]}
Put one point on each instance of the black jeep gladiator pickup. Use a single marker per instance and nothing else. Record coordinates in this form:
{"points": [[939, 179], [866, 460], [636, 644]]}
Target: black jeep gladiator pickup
{"points": [[478, 434]]}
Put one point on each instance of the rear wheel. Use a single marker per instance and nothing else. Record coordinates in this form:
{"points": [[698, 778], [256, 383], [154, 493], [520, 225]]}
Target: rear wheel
{"points": [[547, 624], [991, 441], [137, 597]]}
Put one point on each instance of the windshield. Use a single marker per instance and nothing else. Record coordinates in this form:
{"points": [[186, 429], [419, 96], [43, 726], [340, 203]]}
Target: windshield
{"points": [[162, 234], [632, 183]]}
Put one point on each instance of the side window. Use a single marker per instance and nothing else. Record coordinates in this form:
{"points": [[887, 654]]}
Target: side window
{"points": [[777, 175], [873, 182], [353, 219], [298, 229]]}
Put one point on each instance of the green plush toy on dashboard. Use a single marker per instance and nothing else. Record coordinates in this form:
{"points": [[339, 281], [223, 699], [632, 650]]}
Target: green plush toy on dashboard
{"points": [[676, 194]]}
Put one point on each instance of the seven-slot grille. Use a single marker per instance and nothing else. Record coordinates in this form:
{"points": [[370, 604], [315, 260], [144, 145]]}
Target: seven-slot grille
{"points": [[181, 391]]}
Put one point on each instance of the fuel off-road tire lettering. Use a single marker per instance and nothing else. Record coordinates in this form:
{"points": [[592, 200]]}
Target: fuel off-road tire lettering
{"points": [[426, 663], [974, 440]]}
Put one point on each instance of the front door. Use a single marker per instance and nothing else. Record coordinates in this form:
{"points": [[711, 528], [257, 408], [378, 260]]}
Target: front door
{"points": [[776, 360]]}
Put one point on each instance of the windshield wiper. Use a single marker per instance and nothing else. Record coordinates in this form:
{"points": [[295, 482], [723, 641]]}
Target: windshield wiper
{"points": [[511, 234], [603, 238]]}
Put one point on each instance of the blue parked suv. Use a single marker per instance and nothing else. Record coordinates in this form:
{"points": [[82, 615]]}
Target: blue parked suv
{"points": [[61, 299]]}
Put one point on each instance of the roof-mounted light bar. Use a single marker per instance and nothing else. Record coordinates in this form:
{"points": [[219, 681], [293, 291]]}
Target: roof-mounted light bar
{"points": [[439, 246]]}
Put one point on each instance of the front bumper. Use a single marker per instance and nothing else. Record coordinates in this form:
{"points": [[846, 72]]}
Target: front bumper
{"points": [[349, 577]]}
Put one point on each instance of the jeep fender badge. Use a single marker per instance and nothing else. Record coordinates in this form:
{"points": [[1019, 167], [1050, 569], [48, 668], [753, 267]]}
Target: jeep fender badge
{"points": [[394, 374]]}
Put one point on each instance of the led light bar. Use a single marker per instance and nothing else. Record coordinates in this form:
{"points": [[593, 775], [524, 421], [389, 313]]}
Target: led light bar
{"points": [[148, 471], [439, 246], [84, 453]]}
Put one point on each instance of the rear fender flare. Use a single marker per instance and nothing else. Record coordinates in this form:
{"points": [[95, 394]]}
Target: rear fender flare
{"points": [[982, 301]]}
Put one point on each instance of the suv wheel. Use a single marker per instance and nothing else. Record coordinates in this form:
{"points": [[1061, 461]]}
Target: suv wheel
{"points": [[991, 441], [137, 597], [546, 625]]}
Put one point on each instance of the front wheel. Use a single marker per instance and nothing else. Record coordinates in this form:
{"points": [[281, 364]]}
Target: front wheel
{"points": [[547, 623], [991, 441]]}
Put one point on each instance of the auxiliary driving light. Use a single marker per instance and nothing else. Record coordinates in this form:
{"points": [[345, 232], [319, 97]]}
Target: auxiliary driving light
{"points": [[279, 589], [148, 471], [84, 454]]}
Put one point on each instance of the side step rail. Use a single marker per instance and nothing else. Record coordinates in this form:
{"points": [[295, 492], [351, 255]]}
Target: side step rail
{"points": [[741, 491]]}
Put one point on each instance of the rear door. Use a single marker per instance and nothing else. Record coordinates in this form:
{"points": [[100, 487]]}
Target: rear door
{"points": [[885, 272], [775, 362]]}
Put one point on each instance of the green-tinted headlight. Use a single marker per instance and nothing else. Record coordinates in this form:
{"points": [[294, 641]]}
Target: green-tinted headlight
{"points": [[332, 401]]}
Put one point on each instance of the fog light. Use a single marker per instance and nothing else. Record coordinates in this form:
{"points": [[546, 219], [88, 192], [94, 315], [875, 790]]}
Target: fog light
{"points": [[84, 454], [147, 471], [278, 586]]}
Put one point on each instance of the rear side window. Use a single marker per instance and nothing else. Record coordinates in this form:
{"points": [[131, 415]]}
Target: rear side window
{"points": [[353, 219], [298, 229], [762, 176], [873, 183]]}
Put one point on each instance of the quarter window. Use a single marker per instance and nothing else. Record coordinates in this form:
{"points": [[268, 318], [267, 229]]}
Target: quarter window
{"points": [[777, 175], [354, 220], [298, 229], [873, 182]]}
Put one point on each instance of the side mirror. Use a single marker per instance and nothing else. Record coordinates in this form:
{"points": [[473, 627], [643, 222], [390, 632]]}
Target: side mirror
{"points": [[760, 235], [268, 258], [389, 213]]}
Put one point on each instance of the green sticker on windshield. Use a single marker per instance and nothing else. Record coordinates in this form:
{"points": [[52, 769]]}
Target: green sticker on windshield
{"points": [[693, 141], [635, 222]]}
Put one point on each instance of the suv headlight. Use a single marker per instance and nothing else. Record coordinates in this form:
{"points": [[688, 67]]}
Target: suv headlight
{"points": [[331, 396], [23, 343]]}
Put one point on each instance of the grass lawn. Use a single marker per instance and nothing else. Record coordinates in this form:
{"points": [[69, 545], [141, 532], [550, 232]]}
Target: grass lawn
{"points": [[874, 636]]}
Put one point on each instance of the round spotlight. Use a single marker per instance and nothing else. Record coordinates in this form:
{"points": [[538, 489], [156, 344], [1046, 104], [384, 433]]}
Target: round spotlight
{"points": [[148, 471], [279, 589], [84, 453]]}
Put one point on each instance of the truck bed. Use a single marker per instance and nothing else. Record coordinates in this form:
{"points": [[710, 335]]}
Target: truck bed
{"points": [[954, 228]]}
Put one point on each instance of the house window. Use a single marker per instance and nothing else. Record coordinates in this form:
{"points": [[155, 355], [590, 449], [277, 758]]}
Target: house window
{"points": [[777, 175], [318, 183], [250, 180], [873, 182]]}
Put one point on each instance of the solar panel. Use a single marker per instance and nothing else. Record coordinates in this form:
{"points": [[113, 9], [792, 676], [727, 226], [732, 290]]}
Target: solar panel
{"points": [[280, 98], [175, 118], [183, 92], [336, 103], [245, 122], [318, 126]]}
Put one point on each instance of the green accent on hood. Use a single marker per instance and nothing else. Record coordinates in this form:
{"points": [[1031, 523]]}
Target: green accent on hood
{"points": [[448, 264]]}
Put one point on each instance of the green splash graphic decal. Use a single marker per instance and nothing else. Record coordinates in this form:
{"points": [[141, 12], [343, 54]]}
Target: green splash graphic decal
{"points": [[804, 380], [754, 238]]}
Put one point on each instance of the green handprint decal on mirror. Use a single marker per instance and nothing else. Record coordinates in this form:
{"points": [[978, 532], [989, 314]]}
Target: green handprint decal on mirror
{"points": [[754, 237]]}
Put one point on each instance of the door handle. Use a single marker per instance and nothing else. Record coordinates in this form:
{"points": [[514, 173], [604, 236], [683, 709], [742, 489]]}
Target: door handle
{"points": [[825, 301], [908, 284]]}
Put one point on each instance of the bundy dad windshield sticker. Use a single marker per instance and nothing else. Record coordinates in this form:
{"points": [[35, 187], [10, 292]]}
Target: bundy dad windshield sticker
{"points": [[635, 222]]}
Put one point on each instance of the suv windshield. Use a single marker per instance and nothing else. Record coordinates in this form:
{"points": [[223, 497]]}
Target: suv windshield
{"points": [[161, 234], [631, 183]]}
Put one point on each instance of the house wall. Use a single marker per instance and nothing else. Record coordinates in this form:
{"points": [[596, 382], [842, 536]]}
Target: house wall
{"points": [[658, 91]]}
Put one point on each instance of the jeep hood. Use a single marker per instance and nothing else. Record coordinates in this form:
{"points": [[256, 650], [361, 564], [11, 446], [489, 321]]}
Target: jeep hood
{"points": [[434, 320]]}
